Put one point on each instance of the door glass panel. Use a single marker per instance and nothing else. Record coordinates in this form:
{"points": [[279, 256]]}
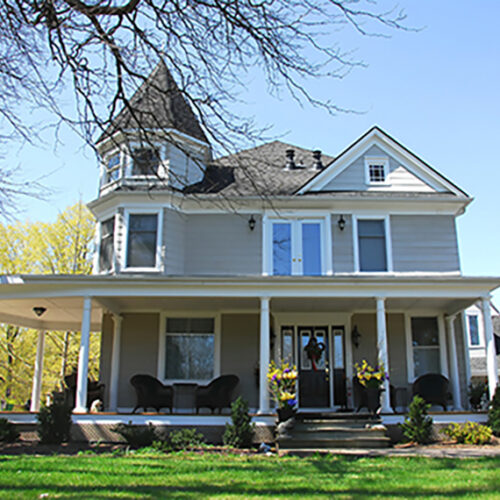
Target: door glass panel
{"points": [[338, 349], [287, 344], [311, 249], [321, 338], [282, 248], [305, 362]]}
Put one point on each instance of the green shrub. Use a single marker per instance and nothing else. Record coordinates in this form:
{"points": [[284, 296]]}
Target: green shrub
{"points": [[494, 413], [136, 436], [240, 433], [185, 439], [417, 426], [469, 433], [54, 423], [8, 431]]}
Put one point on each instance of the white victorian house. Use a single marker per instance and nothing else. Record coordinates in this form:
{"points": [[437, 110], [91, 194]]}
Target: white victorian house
{"points": [[216, 266]]}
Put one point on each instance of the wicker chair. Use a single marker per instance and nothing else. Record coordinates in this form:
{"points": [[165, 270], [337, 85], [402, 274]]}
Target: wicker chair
{"points": [[433, 388], [217, 394], [152, 393]]}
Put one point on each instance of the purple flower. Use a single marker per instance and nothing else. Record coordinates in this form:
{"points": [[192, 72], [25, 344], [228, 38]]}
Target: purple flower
{"points": [[292, 402]]}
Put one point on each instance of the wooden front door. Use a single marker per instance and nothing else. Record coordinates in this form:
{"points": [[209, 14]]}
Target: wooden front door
{"points": [[314, 382]]}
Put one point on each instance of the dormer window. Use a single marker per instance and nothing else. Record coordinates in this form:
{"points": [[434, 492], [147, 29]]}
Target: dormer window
{"points": [[376, 170], [145, 161], [113, 167]]}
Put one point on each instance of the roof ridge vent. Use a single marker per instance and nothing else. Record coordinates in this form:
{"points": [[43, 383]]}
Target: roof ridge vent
{"points": [[317, 164]]}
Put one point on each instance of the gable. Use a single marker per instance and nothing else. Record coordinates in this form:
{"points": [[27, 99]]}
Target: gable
{"points": [[399, 177], [404, 171]]}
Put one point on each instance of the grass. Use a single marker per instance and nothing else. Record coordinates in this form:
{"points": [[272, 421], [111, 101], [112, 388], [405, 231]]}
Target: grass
{"points": [[189, 475]]}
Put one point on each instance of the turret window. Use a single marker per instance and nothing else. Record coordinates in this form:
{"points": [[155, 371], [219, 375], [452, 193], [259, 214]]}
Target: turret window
{"points": [[142, 241], [113, 165], [106, 251], [145, 161]]}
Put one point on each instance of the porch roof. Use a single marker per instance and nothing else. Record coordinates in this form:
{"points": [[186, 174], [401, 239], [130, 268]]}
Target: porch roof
{"points": [[62, 295]]}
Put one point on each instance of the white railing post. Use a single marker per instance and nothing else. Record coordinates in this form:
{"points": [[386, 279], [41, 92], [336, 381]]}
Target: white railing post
{"points": [[264, 355], [83, 359], [383, 355], [36, 392], [455, 380], [115, 362], [491, 357]]}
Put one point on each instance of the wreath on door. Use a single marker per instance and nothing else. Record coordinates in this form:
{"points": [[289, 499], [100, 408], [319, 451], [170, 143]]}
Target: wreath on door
{"points": [[314, 351]]}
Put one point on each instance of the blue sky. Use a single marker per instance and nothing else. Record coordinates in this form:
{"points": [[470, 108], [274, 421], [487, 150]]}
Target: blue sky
{"points": [[437, 91]]}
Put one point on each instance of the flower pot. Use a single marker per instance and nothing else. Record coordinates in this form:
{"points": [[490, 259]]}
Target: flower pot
{"points": [[285, 413], [373, 398]]}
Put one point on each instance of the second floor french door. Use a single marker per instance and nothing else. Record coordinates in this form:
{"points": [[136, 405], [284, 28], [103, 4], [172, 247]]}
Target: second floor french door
{"points": [[297, 247]]}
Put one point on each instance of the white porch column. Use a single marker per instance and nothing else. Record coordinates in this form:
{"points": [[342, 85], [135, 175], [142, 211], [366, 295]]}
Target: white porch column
{"points": [[264, 355], [115, 362], [36, 392], [455, 380], [491, 357], [83, 359], [383, 355]]}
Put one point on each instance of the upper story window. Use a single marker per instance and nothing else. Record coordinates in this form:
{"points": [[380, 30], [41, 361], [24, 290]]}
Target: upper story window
{"points": [[295, 247], [142, 240], [372, 245], [473, 327], [106, 245], [376, 170], [145, 161], [113, 166]]}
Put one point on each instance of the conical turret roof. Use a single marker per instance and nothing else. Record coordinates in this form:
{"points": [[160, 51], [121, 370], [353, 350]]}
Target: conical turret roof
{"points": [[158, 104]]}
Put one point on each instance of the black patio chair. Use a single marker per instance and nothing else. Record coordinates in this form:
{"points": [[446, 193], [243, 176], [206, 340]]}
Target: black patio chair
{"points": [[432, 388], [217, 394], [151, 393]]}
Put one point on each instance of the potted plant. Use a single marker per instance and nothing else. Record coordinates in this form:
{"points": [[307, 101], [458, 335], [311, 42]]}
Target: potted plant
{"points": [[282, 381], [372, 378]]}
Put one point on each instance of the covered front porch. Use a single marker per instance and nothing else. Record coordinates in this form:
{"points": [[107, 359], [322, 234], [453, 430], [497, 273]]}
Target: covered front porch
{"points": [[190, 330]]}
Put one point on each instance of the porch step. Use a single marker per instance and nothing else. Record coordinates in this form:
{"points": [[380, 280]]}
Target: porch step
{"points": [[323, 430]]}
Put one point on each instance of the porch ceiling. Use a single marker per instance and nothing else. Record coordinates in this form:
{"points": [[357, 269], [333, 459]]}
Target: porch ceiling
{"points": [[62, 313]]}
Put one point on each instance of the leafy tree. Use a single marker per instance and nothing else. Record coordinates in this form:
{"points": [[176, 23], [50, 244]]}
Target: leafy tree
{"points": [[61, 247]]}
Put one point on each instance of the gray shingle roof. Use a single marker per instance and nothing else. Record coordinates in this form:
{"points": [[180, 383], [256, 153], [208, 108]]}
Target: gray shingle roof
{"points": [[158, 104], [259, 171]]}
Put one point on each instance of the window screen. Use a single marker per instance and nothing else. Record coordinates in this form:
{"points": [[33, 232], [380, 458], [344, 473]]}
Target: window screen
{"points": [[145, 161], [141, 249], [473, 330], [189, 349], [372, 248], [106, 247], [425, 343]]}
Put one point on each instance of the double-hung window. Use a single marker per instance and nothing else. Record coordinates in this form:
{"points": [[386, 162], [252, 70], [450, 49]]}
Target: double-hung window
{"points": [[473, 327], [190, 349], [106, 245], [142, 240], [372, 245], [113, 167], [295, 247], [425, 345]]}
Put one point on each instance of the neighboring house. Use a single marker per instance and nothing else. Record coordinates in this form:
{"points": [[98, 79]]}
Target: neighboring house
{"points": [[205, 267], [477, 343]]}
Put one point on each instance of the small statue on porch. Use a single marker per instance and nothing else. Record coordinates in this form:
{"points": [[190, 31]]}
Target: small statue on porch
{"points": [[314, 351]]}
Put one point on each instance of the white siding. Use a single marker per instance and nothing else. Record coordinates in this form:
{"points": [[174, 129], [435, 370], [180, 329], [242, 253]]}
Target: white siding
{"points": [[174, 237], [399, 178], [222, 245], [343, 255], [424, 243]]}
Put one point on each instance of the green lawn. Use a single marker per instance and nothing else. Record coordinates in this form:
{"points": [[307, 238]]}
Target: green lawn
{"points": [[231, 476]]}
